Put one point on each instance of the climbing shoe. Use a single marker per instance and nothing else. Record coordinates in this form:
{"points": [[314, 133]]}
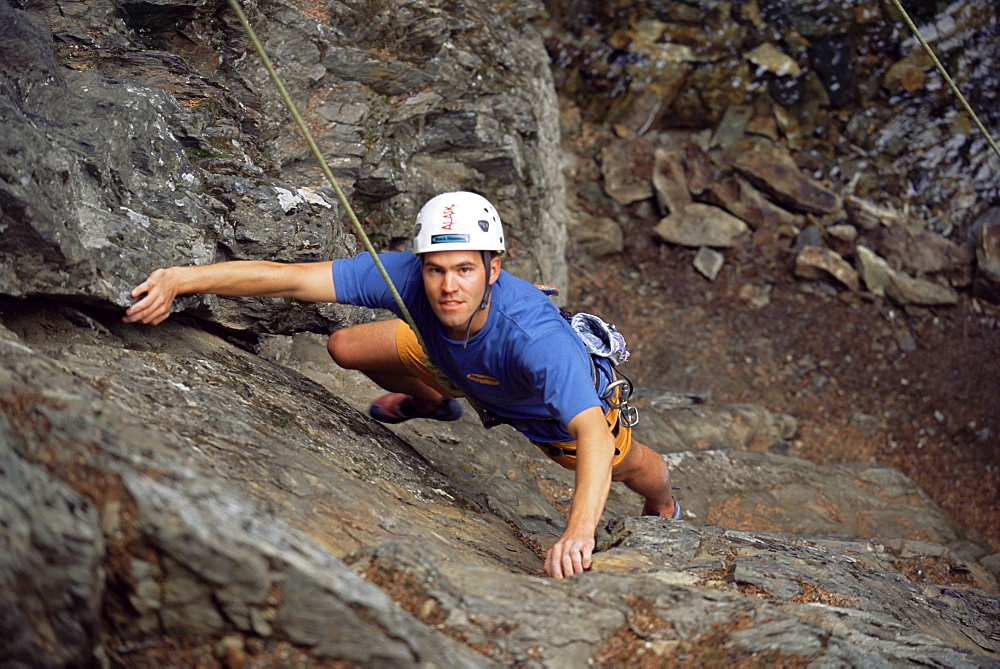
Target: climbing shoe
{"points": [[677, 511], [397, 407]]}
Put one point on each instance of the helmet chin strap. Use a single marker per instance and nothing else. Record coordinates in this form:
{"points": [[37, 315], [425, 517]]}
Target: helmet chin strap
{"points": [[487, 293]]}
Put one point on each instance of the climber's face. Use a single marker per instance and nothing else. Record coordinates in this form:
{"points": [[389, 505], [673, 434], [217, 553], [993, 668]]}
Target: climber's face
{"points": [[455, 282]]}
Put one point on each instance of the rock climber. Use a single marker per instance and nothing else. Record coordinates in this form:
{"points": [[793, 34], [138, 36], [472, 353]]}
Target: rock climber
{"points": [[498, 340]]}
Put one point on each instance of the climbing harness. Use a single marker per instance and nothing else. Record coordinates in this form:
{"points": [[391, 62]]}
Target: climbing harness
{"points": [[947, 78]]}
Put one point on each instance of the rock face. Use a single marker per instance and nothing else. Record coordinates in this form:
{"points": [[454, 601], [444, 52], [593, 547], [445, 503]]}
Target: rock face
{"points": [[155, 138], [202, 494], [201, 502]]}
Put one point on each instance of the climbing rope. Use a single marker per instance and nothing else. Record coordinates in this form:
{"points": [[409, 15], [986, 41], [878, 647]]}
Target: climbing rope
{"points": [[325, 167], [944, 73], [439, 375]]}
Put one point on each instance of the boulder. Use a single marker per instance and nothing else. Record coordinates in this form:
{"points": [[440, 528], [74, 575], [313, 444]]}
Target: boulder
{"points": [[708, 262], [815, 262], [737, 196], [670, 180], [597, 237], [869, 215], [768, 57], [923, 254], [881, 279], [700, 224], [775, 173]]}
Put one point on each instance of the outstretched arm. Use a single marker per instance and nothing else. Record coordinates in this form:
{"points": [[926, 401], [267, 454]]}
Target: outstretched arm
{"points": [[595, 450], [312, 282]]}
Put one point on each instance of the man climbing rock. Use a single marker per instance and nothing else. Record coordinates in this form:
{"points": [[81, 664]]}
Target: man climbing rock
{"points": [[496, 339]]}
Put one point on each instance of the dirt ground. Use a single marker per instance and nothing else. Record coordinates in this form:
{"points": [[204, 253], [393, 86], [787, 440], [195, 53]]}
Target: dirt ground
{"points": [[869, 383]]}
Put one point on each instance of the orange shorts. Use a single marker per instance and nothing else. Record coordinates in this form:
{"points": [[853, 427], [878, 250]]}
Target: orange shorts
{"points": [[564, 452], [413, 357]]}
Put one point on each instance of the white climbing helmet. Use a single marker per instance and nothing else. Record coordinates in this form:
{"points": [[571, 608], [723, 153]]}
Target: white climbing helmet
{"points": [[458, 221]]}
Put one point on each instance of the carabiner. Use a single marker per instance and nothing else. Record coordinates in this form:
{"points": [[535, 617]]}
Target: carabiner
{"points": [[624, 393], [628, 416]]}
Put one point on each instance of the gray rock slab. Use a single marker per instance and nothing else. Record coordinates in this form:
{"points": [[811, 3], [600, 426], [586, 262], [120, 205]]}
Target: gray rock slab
{"points": [[51, 554], [698, 224], [776, 174], [771, 492]]}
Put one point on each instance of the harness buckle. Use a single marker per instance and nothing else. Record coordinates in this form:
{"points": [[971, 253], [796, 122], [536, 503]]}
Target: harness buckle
{"points": [[628, 416]]}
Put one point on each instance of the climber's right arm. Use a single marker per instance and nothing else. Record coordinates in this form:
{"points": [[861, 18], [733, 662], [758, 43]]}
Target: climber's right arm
{"points": [[312, 282]]}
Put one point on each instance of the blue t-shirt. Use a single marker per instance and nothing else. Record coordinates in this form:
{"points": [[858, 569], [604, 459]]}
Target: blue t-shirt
{"points": [[527, 365]]}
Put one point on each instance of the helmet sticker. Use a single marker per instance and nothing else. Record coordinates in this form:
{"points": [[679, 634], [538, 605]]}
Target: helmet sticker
{"points": [[449, 239], [484, 225], [448, 217]]}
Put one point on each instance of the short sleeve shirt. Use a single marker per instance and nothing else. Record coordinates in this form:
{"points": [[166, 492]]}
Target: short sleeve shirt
{"points": [[526, 364]]}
